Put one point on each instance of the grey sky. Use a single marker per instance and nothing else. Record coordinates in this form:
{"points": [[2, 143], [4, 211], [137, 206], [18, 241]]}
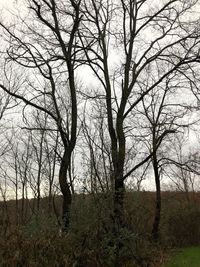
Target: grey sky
{"points": [[6, 3]]}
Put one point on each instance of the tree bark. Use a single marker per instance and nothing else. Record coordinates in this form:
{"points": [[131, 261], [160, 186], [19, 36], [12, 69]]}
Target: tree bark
{"points": [[156, 223], [65, 189], [119, 219], [119, 205]]}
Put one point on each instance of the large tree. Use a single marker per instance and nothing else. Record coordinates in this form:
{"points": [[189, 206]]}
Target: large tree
{"points": [[42, 49], [124, 42]]}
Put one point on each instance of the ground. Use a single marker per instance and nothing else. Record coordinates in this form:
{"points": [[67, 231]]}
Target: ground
{"points": [[186, 257]]}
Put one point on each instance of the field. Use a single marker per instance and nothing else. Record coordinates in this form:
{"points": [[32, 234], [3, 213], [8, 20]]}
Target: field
{"points": [[186, 257]]}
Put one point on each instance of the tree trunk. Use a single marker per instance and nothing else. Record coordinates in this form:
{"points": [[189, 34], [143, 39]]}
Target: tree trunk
{"points": [[23, 202], [16, 204], [119, 221], [65, 189], [119, 205], [156, 223]]}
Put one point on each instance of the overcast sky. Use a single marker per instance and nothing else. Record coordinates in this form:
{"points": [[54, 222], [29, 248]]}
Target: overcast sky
{"points": [[6, 3]]}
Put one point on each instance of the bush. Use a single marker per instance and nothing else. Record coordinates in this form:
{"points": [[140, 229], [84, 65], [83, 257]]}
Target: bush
{"points": [[183, 226], [49, 250]]}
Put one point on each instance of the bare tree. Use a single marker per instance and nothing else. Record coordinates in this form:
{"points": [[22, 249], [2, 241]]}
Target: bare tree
{"points": [[96, 150], [142, 38], [182, 169], [45, 48], [159, 116]]}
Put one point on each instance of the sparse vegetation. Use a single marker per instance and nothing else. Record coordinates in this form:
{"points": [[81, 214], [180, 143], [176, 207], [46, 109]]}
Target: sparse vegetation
{"points": [[90, 241]]}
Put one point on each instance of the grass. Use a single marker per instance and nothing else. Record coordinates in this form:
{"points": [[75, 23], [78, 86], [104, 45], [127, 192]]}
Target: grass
{"points": [[187, 257]]}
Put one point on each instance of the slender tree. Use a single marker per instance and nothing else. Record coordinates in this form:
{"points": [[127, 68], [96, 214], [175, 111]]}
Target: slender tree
{"points": [[44, 46]]}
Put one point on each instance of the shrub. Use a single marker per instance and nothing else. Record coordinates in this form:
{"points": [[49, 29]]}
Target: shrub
{"points": [[183, 226]]}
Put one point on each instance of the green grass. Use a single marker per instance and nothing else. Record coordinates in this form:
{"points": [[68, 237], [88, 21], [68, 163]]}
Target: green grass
{"points": [[186, 257]]}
